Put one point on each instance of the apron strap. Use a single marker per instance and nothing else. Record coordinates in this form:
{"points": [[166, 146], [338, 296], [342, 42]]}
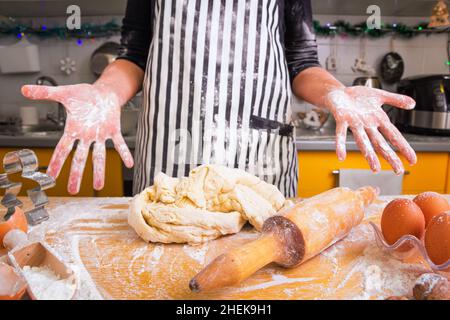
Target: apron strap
{"points": [[271, 126]]}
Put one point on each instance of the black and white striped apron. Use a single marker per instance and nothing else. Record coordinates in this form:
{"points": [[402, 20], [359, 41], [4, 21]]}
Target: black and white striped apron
{"points": [[216, 90]]}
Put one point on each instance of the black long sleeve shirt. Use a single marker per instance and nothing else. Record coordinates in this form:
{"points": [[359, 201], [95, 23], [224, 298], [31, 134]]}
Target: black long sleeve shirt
{"points": [[296, 33]]}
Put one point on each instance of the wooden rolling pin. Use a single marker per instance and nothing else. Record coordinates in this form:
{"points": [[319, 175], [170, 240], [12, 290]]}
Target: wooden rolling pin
{"points": [[290, 238]]}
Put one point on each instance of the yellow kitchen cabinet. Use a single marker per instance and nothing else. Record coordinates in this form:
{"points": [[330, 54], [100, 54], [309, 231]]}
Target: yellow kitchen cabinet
{"points": [[114, 176], [113, 181], [447, 187], [316, 171]]}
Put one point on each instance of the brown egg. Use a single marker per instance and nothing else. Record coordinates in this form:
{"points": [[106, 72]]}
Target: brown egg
{"points": [[431, 203], [402, 217], [437, 238]]}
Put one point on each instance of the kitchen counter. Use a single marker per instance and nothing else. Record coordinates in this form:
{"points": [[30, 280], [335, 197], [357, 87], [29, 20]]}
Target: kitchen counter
{"points": [[112, 262], [324, 140], [307, 140]]}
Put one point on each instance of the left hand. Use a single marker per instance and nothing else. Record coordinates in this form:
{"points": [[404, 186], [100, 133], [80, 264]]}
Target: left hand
{"points": [[359, 108]]}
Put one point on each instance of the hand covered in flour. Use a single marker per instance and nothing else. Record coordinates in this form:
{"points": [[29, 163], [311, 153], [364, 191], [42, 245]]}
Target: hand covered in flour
{"points": [[93, 116], [359, 108]]}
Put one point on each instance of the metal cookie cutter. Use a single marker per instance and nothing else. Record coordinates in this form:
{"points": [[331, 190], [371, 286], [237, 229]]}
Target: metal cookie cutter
{"points": [[25, 161]]}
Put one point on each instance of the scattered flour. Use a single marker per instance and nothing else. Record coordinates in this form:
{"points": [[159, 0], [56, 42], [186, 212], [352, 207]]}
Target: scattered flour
{"points": [[47, 285], [320, 217], [385, 276], [277, 280], [151, 259], [198, 253], [157, 252], [381, 275], [63, 216]]}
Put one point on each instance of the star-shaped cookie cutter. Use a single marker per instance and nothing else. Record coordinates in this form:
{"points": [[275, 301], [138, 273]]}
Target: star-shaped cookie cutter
{"points": [[25, 161]]}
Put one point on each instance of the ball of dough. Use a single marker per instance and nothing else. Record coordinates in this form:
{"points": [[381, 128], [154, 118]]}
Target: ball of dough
{"points": [[212, 201]]}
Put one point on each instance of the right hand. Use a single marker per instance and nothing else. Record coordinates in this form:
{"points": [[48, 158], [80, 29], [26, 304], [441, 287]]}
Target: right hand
{"points": [[359, 108], [93, 116]]}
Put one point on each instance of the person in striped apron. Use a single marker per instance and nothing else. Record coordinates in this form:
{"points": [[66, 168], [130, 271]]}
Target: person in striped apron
{"points": [[217, 78]]}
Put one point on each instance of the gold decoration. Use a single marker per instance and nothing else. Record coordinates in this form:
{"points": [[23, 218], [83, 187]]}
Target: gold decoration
{"points": [[440, 15]]}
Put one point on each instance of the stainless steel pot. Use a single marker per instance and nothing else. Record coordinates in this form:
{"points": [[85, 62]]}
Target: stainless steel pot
{"points": [[372, 82], [103, 56]]}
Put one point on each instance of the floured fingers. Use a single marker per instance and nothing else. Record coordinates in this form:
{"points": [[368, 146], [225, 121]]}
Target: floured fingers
{"points": [[62, 151], [38, 92], [122, 149], [99, 161], [383, 148], [364, 144], [77, 168], [341, 138], [398, 141]]}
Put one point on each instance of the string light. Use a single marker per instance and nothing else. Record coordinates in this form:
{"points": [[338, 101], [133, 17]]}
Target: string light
{"points": [[79, 42], [89, 31]]}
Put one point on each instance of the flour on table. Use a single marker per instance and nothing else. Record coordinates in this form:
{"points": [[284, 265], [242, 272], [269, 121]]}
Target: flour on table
{"points": [[151, 259], [66, 240], [277, 280], [382, 273], [47, 285], [198, 253], [379, 274]]}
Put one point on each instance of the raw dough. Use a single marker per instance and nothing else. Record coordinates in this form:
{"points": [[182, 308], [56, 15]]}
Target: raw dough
{"points": [[211, 202]]}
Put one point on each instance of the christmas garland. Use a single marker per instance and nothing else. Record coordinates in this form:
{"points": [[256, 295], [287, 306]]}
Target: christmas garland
{"points": [[87, 31], [341, 28]]}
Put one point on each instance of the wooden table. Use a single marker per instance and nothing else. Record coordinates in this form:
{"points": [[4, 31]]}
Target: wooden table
{"points": [[112, 262]]}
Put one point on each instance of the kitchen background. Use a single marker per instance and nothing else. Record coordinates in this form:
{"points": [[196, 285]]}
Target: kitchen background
{"points": [[423, 54]]}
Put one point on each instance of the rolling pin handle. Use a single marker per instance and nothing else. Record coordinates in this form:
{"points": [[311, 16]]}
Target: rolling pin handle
{"points": [[236, 265], [282, 242], [193, 285]]}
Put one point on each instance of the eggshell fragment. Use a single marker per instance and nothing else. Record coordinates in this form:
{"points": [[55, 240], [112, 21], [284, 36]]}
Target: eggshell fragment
{"points": [[431, 204], [437, 238], [402, 217]]}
